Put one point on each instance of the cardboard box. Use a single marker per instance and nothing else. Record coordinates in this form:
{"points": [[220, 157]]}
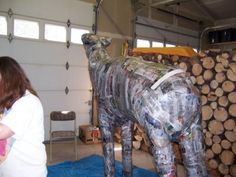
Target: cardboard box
{"points": [[89, 134]]}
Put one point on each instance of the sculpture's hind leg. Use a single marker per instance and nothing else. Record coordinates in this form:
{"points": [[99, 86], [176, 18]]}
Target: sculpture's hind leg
{"points": [[193, 154], [162, 151], [127, 131], [107, 127]]}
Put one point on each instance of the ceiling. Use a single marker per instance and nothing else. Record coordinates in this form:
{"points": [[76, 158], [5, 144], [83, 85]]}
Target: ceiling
{"points": [[200, 10]]}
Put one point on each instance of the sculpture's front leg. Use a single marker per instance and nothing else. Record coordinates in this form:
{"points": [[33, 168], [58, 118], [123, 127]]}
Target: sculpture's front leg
{"points": [[193, 153], [127, 131], [106, 126], [162, 151]]}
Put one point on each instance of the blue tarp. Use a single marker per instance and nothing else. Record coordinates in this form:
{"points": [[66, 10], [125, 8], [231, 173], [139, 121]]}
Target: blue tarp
{"points": [[91, 166]]}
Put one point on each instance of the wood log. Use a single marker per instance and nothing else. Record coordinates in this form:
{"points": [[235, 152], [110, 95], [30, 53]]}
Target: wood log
{"points": [[205, 89], [208, 141], [232, 97], [229, 124], [227, 175], [146, 140], [138, 137], [200, 80], [232, 110], [203, 99], [207, 75], [213, 164], [225, 62], [214, 84], [216, 139], [227, 157], [209, 154], [219, 68], [220, 114], [211, 96], [228, 86], [145, 148], [196, 69], [230, 135], [137, 145], [233, 170], [223, 169], [223, 101], [220, 77], [232, 66], [208, 134], [231, 75], [234, 148], [207, 112], [117, 137], [234, 57], [213, 105], [215, 127], [183, 66], [175, 58], [204, 124], [140, 129], [216, 148], [208, 63], [225, 55], [225, 144], [219, 92]]}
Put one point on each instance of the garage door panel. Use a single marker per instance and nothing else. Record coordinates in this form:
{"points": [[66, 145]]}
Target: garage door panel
{"points": [[58, 10], [74, 100], [26, 51], [77, 56], [4, 47], [79, 78], [45, 61], [45, 77]]}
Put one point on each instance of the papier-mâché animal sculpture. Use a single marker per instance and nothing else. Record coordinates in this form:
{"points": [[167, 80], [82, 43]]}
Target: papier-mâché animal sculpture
{"points": [[160, 98]]}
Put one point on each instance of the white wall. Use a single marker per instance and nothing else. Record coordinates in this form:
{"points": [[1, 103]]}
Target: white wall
{"points": [[44, 61]]}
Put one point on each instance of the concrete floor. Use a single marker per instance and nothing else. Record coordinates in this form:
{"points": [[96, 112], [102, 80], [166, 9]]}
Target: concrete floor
{"points": [[64, 150]]}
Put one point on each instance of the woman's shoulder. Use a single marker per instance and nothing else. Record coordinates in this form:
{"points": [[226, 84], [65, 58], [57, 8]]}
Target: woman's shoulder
{"points": [[28, 99]]}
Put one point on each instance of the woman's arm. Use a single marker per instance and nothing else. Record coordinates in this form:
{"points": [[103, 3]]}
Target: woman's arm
{"points": [[5, 131]]}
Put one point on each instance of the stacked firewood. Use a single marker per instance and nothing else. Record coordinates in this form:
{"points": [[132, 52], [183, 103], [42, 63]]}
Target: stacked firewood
{"points": [[214, 74]]}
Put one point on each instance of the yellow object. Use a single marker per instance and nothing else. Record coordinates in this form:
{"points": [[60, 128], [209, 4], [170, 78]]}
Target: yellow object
{"points": [[180, 51]]}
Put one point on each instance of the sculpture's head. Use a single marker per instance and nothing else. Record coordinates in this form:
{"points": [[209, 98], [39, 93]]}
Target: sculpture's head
{"points": [[92, 42]]}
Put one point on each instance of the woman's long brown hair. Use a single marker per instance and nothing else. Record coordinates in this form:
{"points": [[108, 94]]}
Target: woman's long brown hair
{"points": [[13, 82]]}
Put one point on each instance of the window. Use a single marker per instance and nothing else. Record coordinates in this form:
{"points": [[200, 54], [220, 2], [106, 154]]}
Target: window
{"points": [[3, 25], [170, 45], [26, 29], [76, 35], [143, 43], [157, 44], [55, 33]]}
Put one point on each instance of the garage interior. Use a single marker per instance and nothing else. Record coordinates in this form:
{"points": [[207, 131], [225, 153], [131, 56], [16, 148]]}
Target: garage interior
{"points": [[58, 67]]}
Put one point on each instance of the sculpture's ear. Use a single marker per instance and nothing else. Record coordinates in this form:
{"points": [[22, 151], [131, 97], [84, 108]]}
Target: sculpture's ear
{"points": [[106, 41], [89, 38]]}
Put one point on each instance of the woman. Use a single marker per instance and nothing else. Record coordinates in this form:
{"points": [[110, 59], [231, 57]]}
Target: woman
{"points": [[21, 124]]}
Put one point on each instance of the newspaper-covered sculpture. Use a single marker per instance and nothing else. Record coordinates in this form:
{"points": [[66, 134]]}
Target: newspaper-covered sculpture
{"points": [[160, 98]]}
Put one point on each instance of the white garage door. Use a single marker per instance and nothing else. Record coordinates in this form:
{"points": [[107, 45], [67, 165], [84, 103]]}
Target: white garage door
{"points": [[58, 70]]}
